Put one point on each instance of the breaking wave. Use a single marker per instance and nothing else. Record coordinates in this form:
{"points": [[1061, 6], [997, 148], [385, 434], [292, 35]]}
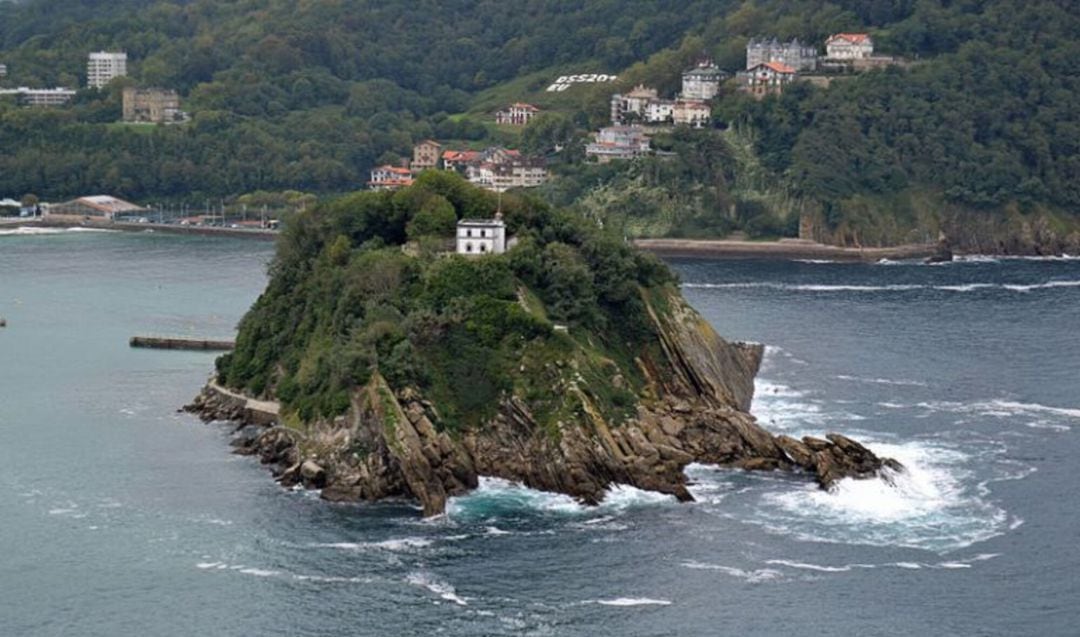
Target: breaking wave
{"points": [[900, 287], [441, 588], [496, 496], [28, 231], [931, 505], [631, 601]]}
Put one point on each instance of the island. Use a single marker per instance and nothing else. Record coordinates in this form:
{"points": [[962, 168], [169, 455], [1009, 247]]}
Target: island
{"points": [[409, 342]]}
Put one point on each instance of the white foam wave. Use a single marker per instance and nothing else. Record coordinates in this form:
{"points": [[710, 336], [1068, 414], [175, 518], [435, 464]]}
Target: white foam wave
{"points": [[816, 261], [758, 575], [1047, 416], [821, 568], [400, 544], [929, 505], [633, 601], [25, 231], [905, 287], [1042, 286], [817, 567], [259, 572], [496, 495], [882, 381], [439, 587], [263, 572]]}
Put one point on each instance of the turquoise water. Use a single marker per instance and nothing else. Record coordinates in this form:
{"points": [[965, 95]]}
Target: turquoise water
{"points": [[120, 516]]}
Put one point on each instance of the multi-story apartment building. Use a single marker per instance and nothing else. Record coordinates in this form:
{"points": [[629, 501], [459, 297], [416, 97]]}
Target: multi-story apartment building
{"points": [[619, 142], [103, 67], [40, 96], [425, 155]]}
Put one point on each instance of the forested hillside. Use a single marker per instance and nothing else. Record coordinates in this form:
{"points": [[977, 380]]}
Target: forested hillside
{"points": [[308, 96]]}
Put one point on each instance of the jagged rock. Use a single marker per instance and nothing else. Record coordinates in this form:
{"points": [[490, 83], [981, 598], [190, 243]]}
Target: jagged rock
{"points": [[313, 474], [389, 445]]}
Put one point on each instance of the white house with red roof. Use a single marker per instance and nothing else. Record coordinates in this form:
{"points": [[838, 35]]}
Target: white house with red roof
{"points": [[517, 114], [767, 78], [389, 178], [849, 46]]}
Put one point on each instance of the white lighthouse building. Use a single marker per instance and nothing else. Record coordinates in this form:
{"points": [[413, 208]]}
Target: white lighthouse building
{"points": [[481, 236]]}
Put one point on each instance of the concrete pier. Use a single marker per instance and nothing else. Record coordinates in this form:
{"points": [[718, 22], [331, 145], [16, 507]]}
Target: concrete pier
{"points": [[181, 342]]}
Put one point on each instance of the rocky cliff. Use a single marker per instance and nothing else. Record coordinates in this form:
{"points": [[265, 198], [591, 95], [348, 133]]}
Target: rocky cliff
{"points": [[693, 407]]}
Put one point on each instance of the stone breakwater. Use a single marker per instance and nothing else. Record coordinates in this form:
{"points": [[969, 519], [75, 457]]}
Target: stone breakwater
{"points": [[388, 445]]}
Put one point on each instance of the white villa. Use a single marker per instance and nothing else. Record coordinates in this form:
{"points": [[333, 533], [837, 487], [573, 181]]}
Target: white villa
{"points": [[849, 46], [481, 236]]}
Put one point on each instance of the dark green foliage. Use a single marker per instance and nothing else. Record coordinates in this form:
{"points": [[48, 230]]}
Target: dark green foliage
{"points": [[345, 302], [309, 96], [301, 96]]}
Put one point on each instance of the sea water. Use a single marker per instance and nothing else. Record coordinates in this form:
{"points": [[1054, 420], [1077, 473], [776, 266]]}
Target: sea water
{"points": [[120, 516]]}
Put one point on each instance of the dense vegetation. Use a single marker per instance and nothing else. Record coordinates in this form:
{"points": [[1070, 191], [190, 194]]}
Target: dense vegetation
{"points": [[286, 95], [346, 302], [307, 96]]}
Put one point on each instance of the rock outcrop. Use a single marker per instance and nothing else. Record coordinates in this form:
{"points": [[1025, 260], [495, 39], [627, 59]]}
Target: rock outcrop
{"points": [[388, 445]]}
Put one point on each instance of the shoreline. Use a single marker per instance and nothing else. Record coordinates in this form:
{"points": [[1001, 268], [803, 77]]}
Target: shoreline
{"points": [[123, 226], [789, 249], [783, 249]]}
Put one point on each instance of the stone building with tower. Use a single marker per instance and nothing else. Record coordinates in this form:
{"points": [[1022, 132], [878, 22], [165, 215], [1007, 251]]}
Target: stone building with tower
{"points": [[152, 105], [794, 54]]}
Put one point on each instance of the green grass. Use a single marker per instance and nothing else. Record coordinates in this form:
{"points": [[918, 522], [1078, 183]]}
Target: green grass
{"points": [[142, 128]]}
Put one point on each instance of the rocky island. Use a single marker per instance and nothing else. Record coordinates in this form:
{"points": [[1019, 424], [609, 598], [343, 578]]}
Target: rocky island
{"points": [[380, 364]]}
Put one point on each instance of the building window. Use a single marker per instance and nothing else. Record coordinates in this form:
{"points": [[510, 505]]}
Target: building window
{"points": [[468, 247], [483, 233], [468, 233], [483, 248]]}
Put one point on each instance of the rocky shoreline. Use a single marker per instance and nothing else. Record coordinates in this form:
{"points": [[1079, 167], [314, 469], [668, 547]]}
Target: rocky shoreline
{"points": [[387, 445]]}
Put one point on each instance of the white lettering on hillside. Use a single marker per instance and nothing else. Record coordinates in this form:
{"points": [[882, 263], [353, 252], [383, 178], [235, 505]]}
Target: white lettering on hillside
{"points": [[564, 82]]}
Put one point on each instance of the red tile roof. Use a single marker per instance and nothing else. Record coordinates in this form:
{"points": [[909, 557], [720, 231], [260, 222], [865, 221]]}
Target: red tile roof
{"points": [[854, 38], [460, 155], [395, 170], [778, 67]]}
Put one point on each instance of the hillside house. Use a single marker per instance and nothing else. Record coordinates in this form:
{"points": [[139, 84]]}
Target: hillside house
{"points": [[517, 114], [497, 169], [516, 172], [481, 236], [702, 82], [389, 178], [633, 105], [767, 78], [795, 54], [692, 113], [426, 156], [619, 142], [849, 46]]}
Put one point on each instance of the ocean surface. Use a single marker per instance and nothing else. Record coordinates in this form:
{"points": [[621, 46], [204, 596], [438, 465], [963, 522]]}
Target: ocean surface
{"points": [[120, 516]]}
